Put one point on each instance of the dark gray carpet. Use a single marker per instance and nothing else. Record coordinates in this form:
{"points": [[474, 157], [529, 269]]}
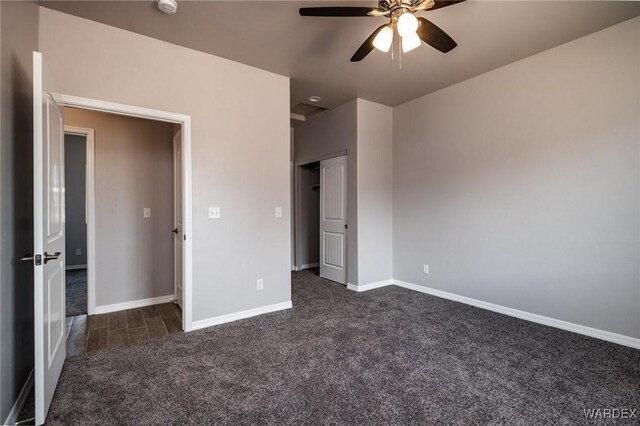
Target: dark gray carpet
{"points": [[76, 292], [387, 356]]}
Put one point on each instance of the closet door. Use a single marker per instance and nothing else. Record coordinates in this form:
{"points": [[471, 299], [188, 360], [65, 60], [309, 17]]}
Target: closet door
{"points": [[333, 219]]}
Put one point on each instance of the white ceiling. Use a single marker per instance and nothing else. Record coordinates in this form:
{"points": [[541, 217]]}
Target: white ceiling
{"points": [[315, 52]]}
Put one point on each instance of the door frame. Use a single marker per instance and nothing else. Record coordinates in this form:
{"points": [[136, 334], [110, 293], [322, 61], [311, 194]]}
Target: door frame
{"points": [[185, 122], [298, 266], [176, 191], [90, 210]]}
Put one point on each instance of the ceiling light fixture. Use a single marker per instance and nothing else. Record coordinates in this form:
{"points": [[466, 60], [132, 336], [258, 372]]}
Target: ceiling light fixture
{"points": [[407, 24], [410, 42], [384, 39], [170, 7], [315, 98]]}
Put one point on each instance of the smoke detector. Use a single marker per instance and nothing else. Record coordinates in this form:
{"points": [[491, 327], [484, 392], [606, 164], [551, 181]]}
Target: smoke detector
{"points": [[169, 7]]}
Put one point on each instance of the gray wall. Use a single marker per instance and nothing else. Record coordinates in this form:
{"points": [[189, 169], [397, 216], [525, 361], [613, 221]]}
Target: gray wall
{"points": [[75, 152], [375, 192], [240, 148], [521, 187], [310, 214], [19, 38], [133, 170], [331, 133]]}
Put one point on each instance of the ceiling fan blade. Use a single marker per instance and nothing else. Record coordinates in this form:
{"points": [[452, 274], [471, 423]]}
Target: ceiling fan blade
{"points": [[335, 11], [431, 34], [367, 46], [442, 3]]}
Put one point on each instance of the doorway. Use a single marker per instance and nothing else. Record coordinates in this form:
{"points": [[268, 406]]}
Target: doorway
{"points": [[78, 197], [134, 230], [321, 218], [309, 193], [181, 214]]}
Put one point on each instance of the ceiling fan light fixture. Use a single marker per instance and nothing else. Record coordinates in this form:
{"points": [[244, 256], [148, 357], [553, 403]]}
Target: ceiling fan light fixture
{"points": [[410, 42], [400, 15], [407, 25], [384, 39]]}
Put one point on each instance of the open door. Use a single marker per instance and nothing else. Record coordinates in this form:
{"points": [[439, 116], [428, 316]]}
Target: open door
{"points": [[49, 238], [177, 215], [333, 219]]}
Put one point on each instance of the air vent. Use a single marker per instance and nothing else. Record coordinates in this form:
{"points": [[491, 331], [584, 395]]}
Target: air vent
{"points": [[304, 112], [307, 110]]}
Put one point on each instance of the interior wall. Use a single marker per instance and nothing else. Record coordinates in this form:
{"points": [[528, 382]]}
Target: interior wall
{"points": [[240, 148], [75, 156], [375, 192], [521, 187], [310, 215], [331, 134], [133, 171], [18, 39]]}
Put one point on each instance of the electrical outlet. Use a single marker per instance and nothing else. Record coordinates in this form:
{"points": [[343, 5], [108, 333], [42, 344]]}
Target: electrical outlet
{"points": [[78, 252], [146, 212], [278, 211], [259, 284], [214, 212], [425, 269]]}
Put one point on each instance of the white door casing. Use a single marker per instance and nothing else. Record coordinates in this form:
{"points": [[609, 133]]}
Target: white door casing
{"points": [[177, 217], [333, 219], [187, 217], [49, 238]]}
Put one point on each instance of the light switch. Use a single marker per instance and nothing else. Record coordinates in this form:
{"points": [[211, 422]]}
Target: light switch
{"points": [[278, 211], [214, 212], [146, 212]]}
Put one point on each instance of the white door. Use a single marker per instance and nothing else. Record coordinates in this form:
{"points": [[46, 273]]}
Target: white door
{"points": [[49, 259], [177, 215], [333, 219]]}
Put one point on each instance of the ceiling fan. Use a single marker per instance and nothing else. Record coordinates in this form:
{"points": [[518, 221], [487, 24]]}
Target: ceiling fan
{"points": [[401, 14]]}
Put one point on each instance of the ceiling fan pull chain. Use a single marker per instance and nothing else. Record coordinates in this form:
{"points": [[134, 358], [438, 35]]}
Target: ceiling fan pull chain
{"points": [[393, 47]]}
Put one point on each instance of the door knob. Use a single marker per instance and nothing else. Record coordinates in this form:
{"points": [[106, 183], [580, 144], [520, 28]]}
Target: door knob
{"points": [[175, 231], [48, 257]]}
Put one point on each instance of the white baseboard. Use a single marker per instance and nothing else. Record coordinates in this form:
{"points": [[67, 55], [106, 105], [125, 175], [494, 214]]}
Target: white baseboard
{"points": [[72, 267], [105, 309], [371, 286], [540, 319], [240, 315], [309, 266], [12, 417]]}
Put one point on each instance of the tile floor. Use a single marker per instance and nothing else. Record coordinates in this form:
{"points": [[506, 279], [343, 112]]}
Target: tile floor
{"points": [[117, 329]]}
